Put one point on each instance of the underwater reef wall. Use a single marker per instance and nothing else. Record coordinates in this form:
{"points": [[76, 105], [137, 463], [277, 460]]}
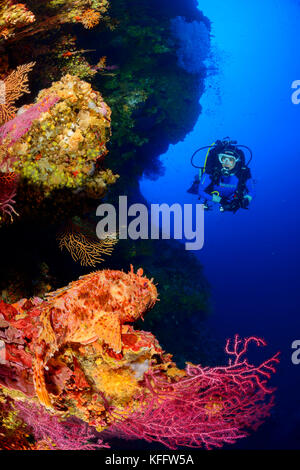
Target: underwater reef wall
{"points": [[161, 98], [131, 56]]}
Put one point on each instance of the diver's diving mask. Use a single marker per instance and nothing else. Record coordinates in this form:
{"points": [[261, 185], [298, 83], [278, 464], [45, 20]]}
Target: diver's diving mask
{"points": [[227, 159]]}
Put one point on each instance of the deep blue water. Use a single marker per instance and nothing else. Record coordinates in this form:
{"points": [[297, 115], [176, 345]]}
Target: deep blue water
{"points": [[252, 258]]}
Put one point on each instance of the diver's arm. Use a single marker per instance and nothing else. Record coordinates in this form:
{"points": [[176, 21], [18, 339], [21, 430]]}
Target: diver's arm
{"points": [[204, 183]]}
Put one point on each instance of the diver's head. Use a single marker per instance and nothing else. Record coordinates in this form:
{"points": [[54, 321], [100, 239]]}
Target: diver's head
{"points": [[228, 160]]}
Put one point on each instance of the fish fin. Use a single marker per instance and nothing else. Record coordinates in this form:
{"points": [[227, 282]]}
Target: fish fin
{"points": [[56, 293], [108, 329], [40, 384], [89, 341]]}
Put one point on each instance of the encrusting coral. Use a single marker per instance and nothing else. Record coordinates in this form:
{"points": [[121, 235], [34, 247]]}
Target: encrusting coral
{"points": [[12, 17], [17, 21], [76, 353], [57, 142], [63, 144], [90, 18]]}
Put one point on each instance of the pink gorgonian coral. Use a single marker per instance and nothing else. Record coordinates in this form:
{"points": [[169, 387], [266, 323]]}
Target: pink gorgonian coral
{"points": [[209, 407], [17, 127], [14, 129], [56, 434]]}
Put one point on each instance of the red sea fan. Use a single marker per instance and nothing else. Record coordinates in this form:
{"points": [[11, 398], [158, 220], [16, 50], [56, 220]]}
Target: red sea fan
{"points": [[208, 408], [8, 191], [58, 435]]}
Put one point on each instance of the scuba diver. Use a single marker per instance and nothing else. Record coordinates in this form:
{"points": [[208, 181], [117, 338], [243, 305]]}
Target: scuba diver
{"points": [[225, 179]]}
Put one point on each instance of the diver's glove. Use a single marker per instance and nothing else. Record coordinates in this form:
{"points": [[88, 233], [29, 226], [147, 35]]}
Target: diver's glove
{"points": [[245, 202], [207, 206]]}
